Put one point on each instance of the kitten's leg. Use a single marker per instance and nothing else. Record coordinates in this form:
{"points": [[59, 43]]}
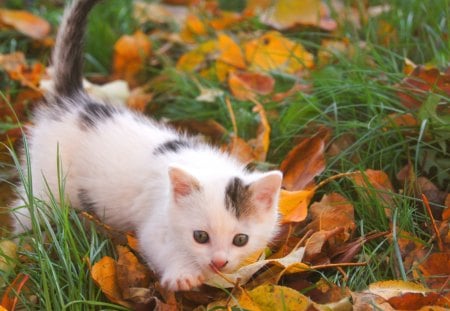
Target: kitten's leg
{"points": [[21, 217], [181, 274]]}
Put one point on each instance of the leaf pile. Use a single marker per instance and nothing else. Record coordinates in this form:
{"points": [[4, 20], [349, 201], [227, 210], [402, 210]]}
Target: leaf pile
{"points": [[236, 59]]}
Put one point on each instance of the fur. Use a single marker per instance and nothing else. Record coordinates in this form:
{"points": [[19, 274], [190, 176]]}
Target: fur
{"points": [[137, 174]]}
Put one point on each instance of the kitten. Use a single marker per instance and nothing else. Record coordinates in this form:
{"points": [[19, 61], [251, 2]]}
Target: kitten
{"points": [[195, 209]]}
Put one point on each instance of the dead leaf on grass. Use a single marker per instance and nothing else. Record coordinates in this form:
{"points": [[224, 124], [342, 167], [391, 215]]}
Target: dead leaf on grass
{"points": [[31, 25]]}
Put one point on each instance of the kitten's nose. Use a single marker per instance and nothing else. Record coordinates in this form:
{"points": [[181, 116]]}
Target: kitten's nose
{"points": [[219, 263]]}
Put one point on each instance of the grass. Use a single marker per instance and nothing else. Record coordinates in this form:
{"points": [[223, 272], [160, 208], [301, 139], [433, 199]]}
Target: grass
{"points": [[352, 96]]}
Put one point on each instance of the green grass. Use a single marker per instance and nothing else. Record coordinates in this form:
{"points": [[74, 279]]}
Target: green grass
{"points": [[56, 254], [352, 96]]}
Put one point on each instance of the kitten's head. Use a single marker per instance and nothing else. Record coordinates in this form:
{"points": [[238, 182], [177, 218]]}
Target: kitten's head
{"points": [[221, 221]]}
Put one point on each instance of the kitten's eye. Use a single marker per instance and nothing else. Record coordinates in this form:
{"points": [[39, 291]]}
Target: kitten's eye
{"points": [[240, 239], [201, 237]]}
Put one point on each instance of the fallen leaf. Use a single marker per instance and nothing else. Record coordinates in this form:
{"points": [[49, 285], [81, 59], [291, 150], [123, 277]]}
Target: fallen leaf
{"points": [[332, 211], [376, 183], [11, 294], [261, 143], [104, 274], [246, 85], [138, 99], [242, 151], [225, 19], [272, 51], [26, 23], [193, 28], [413, 90], [130, 54], [133, 278], [435, 270], [291, 262], [293, 205], [305, 161], [286, 14], [8, 258]]}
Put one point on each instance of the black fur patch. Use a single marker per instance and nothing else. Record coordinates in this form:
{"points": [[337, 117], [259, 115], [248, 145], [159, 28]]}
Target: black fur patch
{"points": [[93, 113], [87, 204], [237, 197], [172, 146]]}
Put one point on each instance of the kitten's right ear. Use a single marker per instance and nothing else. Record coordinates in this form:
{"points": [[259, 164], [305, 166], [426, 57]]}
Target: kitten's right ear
{"points": [[183, 184]]}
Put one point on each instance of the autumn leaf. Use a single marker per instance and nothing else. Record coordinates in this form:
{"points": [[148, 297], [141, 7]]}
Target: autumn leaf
{"points": [[376, 182], [304, 162], [193, 28], [246, 85], [286, 14], [26, 23], [130, 55], [293, 205], [104, 274], [272, 51]]}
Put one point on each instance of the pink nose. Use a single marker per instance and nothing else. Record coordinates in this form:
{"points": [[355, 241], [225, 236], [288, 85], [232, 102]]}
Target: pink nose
{"points": [[219, 263]]}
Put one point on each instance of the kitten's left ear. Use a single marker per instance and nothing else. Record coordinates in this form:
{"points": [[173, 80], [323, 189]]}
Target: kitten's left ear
{"points": [[266, 189]]}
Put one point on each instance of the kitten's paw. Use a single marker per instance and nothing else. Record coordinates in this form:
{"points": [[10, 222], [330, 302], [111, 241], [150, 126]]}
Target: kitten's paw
{"points": [[180, 281]]}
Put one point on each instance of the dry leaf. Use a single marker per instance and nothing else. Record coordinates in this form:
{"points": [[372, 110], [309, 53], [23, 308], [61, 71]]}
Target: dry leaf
{"points": [[377, 182], [305, 161], [261, 143], [104, 274], [291, 262], [293, 205], [435, 269], [25, 22], [287, 13], [193, 28], [273, 51], [246, 85], [8, 257], [130, 55]]}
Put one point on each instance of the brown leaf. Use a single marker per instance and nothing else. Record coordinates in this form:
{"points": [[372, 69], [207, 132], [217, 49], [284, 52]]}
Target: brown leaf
{"points": [[436, 271], [377, 182], [25, 22], [331, 212], [246, 85], [132, 275], [413, 89], [305, 161], [239, 149], [314, 252], [261, 143]]}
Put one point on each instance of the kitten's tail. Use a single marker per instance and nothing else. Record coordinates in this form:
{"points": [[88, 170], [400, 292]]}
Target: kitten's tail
{"points": [[68, 52]]}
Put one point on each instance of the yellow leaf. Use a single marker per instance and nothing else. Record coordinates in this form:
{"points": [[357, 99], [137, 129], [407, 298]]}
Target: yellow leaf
{"points": [[287, 13], [25, 22], [272, 51], [293, 205], [193, 60], [193, 27], [230, 52], [273, 297], [8, 257]]}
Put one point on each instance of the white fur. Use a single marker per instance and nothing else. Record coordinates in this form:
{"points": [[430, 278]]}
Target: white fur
{"points": [[130, 185]]}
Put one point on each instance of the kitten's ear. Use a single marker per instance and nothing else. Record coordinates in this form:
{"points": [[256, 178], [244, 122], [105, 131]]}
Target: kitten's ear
{"points": [[266, 189], [183, 184]]}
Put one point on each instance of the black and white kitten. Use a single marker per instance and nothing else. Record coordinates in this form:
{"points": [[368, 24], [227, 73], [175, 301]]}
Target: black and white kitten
{"points": [[195, 209]]}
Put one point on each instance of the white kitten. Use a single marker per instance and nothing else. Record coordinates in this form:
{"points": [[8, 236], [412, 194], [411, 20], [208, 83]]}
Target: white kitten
{"points": [[195, 209]]}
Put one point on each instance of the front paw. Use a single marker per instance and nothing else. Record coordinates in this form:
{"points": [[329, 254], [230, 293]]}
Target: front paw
{"points": [[182, 281]]}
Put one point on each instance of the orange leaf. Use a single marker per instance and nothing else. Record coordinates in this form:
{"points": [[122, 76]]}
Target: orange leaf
{"points": [[130, 54], [230, 52], [25, 22], [293, 205], [241, 150], [272, 51], [11, 295], [193, 27], [434, 270], [225, 20], [104, 274], [377, 181], [304, 161], [244, 85], [261, 143], [193, 60]]}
